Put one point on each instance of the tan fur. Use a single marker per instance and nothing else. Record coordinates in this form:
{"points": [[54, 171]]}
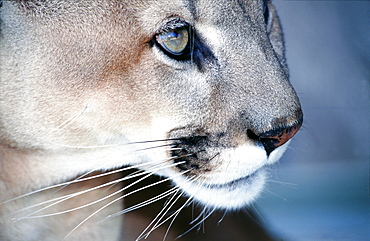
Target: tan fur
{"points": [[84, 89]]}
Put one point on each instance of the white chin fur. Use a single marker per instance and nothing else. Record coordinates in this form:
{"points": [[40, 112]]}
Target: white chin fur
{"points": [[232, 195]]}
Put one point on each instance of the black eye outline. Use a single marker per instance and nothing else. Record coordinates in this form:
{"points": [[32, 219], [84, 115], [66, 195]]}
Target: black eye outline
{"points": [[266, 12], [267, 15], [175, 26]]}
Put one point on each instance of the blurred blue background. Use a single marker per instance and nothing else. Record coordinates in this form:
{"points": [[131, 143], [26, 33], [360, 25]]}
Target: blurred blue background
{"points": [[320, 188]]}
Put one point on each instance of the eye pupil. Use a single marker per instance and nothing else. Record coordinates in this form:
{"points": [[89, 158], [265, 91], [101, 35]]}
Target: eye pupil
{"points": [[174, 41], [173, 36]]}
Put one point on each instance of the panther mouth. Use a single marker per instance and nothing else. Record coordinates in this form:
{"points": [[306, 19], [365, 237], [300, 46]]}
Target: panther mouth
{"points": [[230, 195], [236, 183]]}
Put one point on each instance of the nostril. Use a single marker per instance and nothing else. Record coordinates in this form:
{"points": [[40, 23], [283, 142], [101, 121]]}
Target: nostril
{"points": [[252, 135], [269, 144], [276, 137]]}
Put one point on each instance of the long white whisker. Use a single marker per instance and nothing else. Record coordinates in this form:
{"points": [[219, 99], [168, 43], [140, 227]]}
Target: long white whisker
{"points": [[81, 180], [275, 194], [144, 203], [158, 224], [159, 216], [97, 201], [67, 197], [114, 145], [153, 147], [200, 222], [260, 219], [283, 183], [199, 216], [117, 199], [149, 201], [171, 223], [103, 207], [164, 211]]}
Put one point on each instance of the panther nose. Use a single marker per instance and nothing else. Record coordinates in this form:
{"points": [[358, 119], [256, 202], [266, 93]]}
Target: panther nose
{"points": [[274, 138]]}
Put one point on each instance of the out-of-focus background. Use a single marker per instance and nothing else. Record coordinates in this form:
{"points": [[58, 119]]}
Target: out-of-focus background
{"points": [[320, 189]]}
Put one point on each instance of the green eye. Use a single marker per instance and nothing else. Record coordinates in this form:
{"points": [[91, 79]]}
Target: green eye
{"points": [[174, 41]]}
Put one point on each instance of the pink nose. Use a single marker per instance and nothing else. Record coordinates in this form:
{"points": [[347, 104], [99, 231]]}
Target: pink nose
{"points": [[276, 137]]}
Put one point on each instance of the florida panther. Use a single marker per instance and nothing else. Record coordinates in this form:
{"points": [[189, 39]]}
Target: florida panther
{"points": [[195, 91]]}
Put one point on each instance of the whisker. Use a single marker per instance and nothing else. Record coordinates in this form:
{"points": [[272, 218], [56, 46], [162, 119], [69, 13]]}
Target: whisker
{"points": [[117, 144], [162, 213], [115, 200], [158, 224], [198, 217], [69, 121], [170, 225], [67, 197], [80, 178], [290, 184], [201, 217], [222, 218], [98, 210], [175, 216], [97, 201], [259, 217], [182, 156], [153, 147], [200, 222], [159, 216], [218, 153], [275, 194], [83, 179], [144, 203]]}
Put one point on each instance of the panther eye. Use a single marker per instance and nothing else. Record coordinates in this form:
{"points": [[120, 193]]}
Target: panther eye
{"points": [[174, 41]]}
